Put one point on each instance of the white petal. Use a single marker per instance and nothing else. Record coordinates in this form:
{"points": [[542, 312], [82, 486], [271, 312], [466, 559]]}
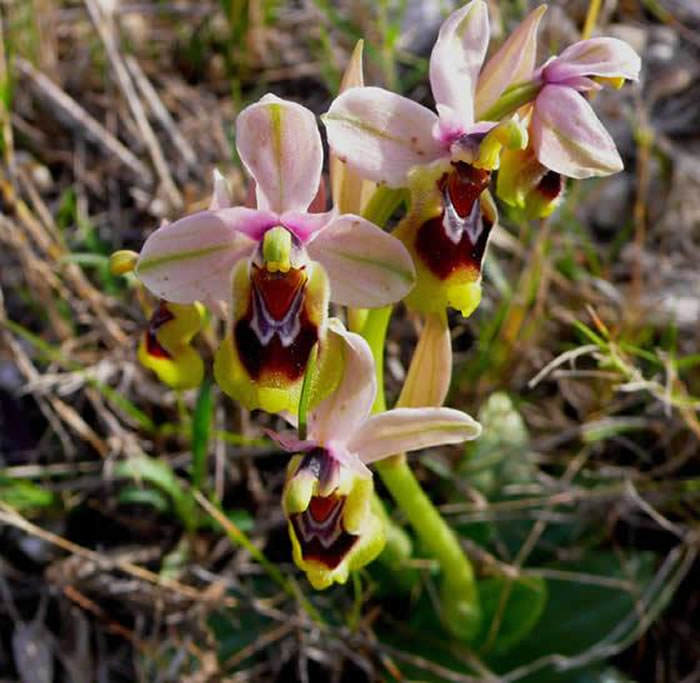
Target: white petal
{"points": [[340, 414], [192, 259], [513, 62], [607, 57], [380, 134], [221, 198], [457, 58], [568, 137], [410, 429], [279, 143], [366, 266]]}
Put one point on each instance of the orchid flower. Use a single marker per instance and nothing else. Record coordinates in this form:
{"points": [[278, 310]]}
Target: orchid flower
{"points": [[566, 134], [327, 497], [445, 159], [165, 344], [385, 135], [277, 264], [566, 137]]}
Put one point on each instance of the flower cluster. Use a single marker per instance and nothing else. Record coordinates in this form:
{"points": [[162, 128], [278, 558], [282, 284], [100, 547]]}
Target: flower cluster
{"points": [[277, 267]]}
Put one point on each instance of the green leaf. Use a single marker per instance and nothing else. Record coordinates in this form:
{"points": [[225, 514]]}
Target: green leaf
{"points": [[23, 494], [160, 474], [511, 609], [578, 615], [201, 430], [133, 495]]}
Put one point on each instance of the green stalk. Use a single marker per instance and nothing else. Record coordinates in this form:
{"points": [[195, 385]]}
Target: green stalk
{"points": [[510, 101], [460, 599], [374, 333], [383, 202]]}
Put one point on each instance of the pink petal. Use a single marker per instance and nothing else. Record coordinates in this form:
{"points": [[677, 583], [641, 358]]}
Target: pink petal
{"points": [[450, 125], [568, 137], [340, 414], [366, 266], [457, 58], [306, 225], [607, 57], [347, 459], [381, 134], [290, 442], [279, 143], [410, 429], [513, 62], [430, 372], [192, 258]]}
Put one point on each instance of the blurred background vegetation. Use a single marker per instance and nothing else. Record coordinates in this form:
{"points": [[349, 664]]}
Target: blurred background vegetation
{"points": [[141, 536]]}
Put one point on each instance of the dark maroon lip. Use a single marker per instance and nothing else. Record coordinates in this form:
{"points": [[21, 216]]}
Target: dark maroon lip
{"points": [[276, 341], [456, 238], [551, 185], [160, 316], [319, 530]]}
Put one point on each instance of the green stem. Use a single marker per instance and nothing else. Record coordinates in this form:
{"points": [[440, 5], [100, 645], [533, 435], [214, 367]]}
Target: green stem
{"points": [[460, 599], [374, 333], [510, 101], [383, 202], [305, 394]]}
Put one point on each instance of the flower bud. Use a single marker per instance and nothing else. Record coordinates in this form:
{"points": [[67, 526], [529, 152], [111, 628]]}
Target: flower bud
{"points": [[165, 344], [122, 262]]}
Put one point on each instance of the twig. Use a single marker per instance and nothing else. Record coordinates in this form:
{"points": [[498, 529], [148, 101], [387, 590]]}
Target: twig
{"points": [[161, 113], [8, 515], [69, 112], [106, 30]]}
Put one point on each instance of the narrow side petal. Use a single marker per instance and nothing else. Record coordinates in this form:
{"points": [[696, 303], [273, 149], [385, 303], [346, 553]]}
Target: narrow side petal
{"points": [[607, 57], [305, 225], [380, 134], [221, 197], [430, 372], [568, 137], [513, 62], [457, 58], [341, 413], [192, 258], [279, 143], [366, 266], [349, 189], [290, 442], [410, 429]]}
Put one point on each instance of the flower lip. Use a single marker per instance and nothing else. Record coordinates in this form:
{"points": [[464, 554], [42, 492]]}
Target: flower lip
{"points": [[320, 532], [276, 333], [277, 299], [457, 237], [160, 316]]}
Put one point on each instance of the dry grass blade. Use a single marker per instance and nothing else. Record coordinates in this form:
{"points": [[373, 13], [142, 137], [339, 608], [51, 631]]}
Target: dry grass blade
{"points": [[106, 30], [161, 113], [10, 516], [76, 118]]}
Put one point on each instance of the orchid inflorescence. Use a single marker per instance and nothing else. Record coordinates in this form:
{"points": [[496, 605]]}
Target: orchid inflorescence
{"points": [[279, 265]]}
